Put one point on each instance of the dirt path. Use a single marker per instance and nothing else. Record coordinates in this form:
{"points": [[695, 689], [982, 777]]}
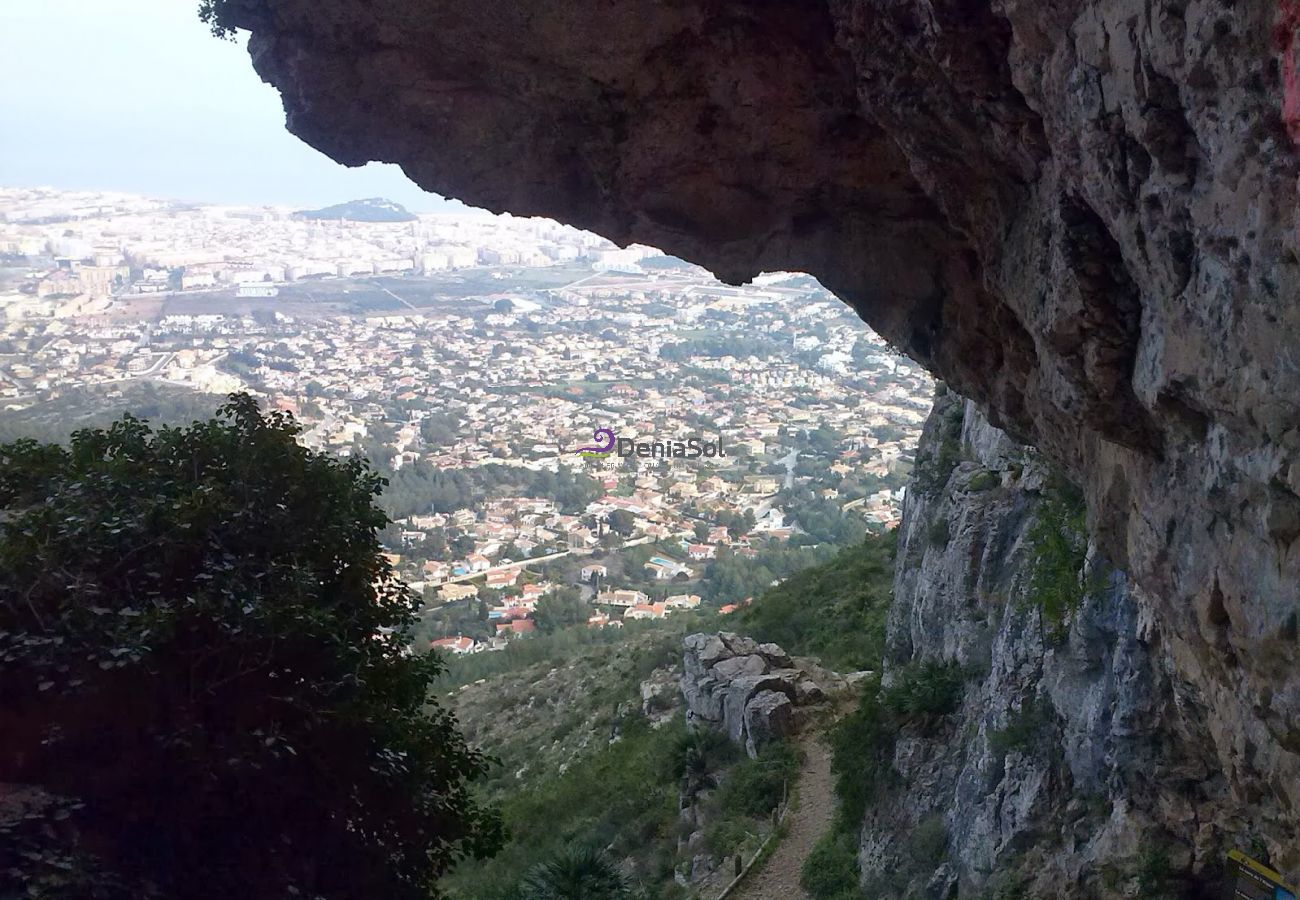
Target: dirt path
{"points": [[778, 877]]}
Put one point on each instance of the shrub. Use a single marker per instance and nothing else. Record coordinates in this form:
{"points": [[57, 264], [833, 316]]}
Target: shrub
{"points": [[835, 611], [831, 870], [1153, 871], [1006, 886], [984, 481], [938, 533], [927, 845], [578, 873], [754, 787], [698, 753], [940, 448], [925, 690], [860, 746], [1026, 728], [213, 14], [1058, 547]]}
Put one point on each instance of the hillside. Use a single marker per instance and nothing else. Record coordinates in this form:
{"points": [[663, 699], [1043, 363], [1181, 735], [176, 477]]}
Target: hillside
{"points": [[595, 753], [373, 209], [834, 611]]}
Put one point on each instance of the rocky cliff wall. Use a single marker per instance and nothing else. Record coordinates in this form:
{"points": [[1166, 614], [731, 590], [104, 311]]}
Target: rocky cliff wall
{"points": [[1082, 214], [1079, 762]]}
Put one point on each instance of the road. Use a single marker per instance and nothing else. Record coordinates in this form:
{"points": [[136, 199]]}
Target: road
{"points": [[536, 559], [401, 300], [789, 461]]}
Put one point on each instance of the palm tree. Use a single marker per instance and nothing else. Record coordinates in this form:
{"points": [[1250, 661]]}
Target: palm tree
{"points": [[577, 873]]}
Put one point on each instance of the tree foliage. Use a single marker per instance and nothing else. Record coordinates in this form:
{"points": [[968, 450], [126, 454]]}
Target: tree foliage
{"points": [[203, 676]]}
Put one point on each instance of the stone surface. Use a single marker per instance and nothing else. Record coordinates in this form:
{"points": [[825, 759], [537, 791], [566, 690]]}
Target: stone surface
{"points": [[769, 716], [751, 692], [1070, 755]]}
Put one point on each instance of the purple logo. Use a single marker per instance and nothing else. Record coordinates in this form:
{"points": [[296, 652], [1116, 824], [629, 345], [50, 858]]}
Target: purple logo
{"points": [[605, 441]]}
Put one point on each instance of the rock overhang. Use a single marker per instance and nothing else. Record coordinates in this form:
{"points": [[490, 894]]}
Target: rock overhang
{"points": [[1082, 215]]}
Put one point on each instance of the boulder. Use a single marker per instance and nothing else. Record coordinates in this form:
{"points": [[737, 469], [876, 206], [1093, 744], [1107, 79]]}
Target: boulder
{"points": [[754, 693], [769, 716]]}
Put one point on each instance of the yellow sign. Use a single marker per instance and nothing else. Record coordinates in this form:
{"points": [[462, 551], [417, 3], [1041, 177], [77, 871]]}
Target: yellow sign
{"points": [[1253, 880]]}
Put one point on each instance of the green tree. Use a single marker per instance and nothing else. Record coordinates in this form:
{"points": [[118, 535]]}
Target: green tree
{"points": [[622, 522], [204, 679], [562, 609]]}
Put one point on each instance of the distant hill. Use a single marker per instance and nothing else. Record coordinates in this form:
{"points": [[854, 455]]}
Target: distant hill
{"points": [[374, 209]]}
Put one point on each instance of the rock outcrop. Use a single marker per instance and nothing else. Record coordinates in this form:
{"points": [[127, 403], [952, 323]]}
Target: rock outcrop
{"points": [[1082, 214], [754, 693], [1080, 761]]}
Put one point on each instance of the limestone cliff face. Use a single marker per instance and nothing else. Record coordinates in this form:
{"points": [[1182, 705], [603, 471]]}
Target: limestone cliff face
{"points": [[1079, 754], [1081, 213]]}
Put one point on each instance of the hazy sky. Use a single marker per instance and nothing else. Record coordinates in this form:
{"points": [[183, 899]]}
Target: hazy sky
{"points": [[136, 95]]}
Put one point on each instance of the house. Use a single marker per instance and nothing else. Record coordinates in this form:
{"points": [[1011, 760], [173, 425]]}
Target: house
{"points": [[477, 562], [623, 598], [719, 534], [458, 645], [581, 539], [663, 569], [728, 609], [646, 611], [588, 572], [516, 628], [682, 601], [436, 571], [449, 593], [761, 484], [714, 485], [464, 518], [701, 551], [502, 579]]}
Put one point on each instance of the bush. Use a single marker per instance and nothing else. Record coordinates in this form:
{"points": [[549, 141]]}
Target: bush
{"points": [[938, 533], [697, 754], [1058, 545], [1006, 886], [925, 690], [831, 870], [1153, 871], [577, 873], [755, 787], [927, 845], [984, 480], [1026, 729], [860, 746], [620, 796], [940, 449]]}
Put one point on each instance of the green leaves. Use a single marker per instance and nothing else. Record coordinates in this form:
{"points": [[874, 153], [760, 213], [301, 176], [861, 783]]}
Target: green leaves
{"points": [[1058, 543], [201, 643]]}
